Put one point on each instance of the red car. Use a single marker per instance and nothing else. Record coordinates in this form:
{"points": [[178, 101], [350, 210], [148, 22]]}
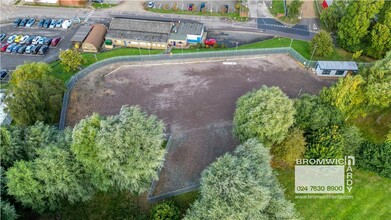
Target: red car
{"points": [[3, 47], [190, 7], [55, 41], [210, 41]]}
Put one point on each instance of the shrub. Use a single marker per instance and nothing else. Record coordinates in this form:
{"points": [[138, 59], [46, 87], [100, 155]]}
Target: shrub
{"points": [[376, 158], [165, 211], [325, 143], [292, 148]]}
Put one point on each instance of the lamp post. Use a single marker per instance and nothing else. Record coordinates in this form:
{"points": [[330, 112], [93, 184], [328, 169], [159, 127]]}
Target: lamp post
{"points": [[291, 43], [237, 47], [312, 54]]}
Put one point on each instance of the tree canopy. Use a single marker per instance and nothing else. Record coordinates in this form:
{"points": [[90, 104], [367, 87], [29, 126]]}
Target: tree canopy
{"points": [[241, 185], [321, 44], [34, 95], [71, 59], [292, 148], [122, 152], [265, 114]]}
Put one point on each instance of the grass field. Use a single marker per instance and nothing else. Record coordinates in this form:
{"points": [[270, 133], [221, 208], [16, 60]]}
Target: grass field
{"points": [[277, 7], [371, 199], [102, 5]]}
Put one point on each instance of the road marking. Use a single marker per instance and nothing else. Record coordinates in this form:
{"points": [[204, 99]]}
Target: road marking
{"points": [[315, 28]]}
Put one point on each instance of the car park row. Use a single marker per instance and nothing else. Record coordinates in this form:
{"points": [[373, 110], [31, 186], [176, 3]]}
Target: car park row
{"points": [[28, 44], [43, 23]]}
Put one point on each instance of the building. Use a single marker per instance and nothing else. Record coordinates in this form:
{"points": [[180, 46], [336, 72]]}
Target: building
{"points": [[184, 33], [335, 68], [94, 39], [326, 3], [80, 35], [139, 33], [5, 119], [60, 2]]}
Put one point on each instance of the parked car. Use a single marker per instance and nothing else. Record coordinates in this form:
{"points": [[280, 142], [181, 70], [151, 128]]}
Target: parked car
{"points": [[36, 39], [24, 39], [18, 38], [52, 24], [151, 4], [210, 41], [59, 23], [16, 48], [3, 47], [30, 22], [23, 22], [22, 49], [17, 22], [43, 49], [41, 40], [66, 24], [47, 41], [30, 40], [190, 7], [11, 39], [202, 6], [3, 74], [35, 49], [28, 49], [41, 22], [2, 36], [55, 41], [10, 47], [47, 23]]}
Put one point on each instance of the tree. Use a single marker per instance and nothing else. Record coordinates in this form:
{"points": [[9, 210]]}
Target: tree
{"points": [[241, 185], [123, 151], [11, 146], [376, 158], [312, 113], [45, 182], [325, 143], [293, 8], [165, 211], [380, 41], [7, 211], [352, 140], [34, 95], [265, 114], [71, 59], [321, 44], [356, 21], [333, 14], [292, 148]]}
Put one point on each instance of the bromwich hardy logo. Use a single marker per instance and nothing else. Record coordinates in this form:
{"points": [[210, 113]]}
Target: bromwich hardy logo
{"points": [[347, 160]]}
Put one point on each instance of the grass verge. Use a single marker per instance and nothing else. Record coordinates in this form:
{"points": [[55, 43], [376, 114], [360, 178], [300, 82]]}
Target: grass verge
{"points": [[277, 7], [102, 5], [370, 198]]}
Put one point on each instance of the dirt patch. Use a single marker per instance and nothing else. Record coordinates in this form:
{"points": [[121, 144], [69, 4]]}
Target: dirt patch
{"points": [[195, 100], [308, 9]]}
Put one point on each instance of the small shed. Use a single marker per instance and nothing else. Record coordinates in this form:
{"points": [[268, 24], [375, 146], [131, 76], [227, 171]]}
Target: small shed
{"points": [[95, 39], [81, 34], [335, 68]]}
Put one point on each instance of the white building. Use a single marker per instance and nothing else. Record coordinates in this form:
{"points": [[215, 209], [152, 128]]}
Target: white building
{"points": [[335, 68], [5, 119]]}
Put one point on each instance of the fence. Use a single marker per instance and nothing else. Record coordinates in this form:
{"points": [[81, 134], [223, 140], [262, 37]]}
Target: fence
{"points": [[222, 54]]}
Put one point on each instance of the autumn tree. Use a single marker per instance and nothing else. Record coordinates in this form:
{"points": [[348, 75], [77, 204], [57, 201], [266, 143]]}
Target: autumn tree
{"points": [[34, 95], [321, 44], [380, 41], [292, 148], [71, 59], [241, 185], [265, 114], [121, 152]]}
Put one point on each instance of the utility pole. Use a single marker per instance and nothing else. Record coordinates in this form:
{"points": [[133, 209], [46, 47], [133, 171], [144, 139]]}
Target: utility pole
{"points": [[312, 54]]}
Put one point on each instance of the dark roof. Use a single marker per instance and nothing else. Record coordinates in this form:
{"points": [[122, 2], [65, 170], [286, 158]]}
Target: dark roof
{"points": [[139, 25], [191, 28], [338, 65], [135, 35], [81, 34], [96, 35]]}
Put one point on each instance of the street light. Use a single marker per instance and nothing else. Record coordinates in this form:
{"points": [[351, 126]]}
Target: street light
{"points": [[312, 54]]}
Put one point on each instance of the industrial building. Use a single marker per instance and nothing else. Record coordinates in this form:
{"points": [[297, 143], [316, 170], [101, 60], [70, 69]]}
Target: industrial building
{"points": [[335, 68], [184, 33], [95, 39]]}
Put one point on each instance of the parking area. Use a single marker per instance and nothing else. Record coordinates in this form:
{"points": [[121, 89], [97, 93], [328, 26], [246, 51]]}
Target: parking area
{"points": [[20, 55], [196, 101], [196, 5]]}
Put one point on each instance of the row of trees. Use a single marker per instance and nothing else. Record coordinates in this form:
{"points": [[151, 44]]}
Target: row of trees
{"points": [[45, 167], [361, 25]]}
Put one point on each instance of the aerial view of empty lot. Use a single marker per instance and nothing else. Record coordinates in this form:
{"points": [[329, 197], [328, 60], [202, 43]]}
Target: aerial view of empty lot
{"points": [[196, 101]]}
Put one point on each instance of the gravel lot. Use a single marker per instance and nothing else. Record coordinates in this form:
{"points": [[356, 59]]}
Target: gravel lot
{"points": [[196, 101], [10, 61]]}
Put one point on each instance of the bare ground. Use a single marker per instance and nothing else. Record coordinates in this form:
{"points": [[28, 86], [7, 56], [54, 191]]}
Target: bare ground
{"points": [[195, 100]]}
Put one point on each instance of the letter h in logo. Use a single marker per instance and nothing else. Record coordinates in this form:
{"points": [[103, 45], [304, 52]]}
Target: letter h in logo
{"points": [[350, 160]]}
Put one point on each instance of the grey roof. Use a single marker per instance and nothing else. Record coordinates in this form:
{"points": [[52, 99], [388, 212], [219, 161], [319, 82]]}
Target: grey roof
{"points": [[338, 65], [134, 35], [81, 34], [148, 26], [192, 28], [176, 36]]}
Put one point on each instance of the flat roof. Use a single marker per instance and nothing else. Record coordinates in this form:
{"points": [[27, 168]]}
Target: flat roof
{"points": [[139, 25], [81, 34], [5, 119], [135, 35], [191, 28], [338, 65]]}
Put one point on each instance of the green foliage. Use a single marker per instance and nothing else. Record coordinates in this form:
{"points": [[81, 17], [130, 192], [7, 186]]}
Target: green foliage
{"points": [[7, 211], [376, 158], [165, 211], [380, 41], [352, 140], [294, 8], [241, 185], [11, 146], [321, 44], [292, 148], [325, 143], [71, 59], [34, 95], [265, 114], [355, 23], [333, 14], [123, 151], [312, 113]]}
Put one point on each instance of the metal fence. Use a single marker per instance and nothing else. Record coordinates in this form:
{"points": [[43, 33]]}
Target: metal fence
{"points": [[222, 54]]}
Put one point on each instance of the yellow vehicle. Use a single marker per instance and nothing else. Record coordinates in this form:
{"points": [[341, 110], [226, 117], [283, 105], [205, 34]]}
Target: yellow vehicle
{"points": [[18, 38]]}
